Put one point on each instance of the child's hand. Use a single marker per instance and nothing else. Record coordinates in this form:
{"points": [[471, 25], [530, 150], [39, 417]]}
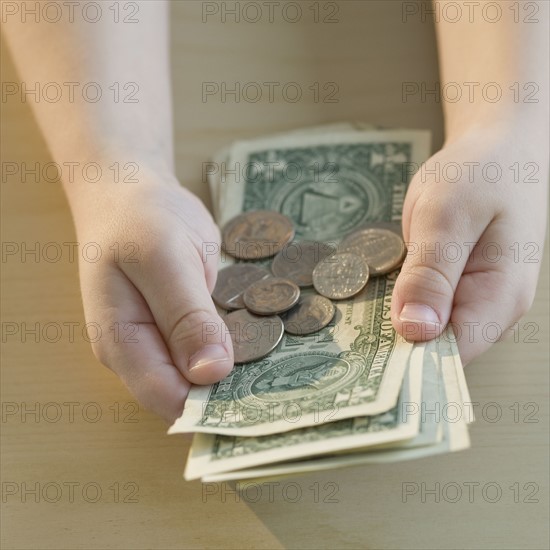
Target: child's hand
{"points": [[487, 236], [153, 302]]}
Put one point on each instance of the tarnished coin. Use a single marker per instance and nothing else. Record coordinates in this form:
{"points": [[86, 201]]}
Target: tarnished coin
{"points": [[382, 249], [253, 336], [340, 276], [392, 226], [297, 260], [310, 314], [270, 296], [233, 281], [257, 234]]}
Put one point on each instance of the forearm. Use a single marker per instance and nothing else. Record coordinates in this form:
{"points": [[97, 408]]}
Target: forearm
{"points": [[511, 53], [132, 124]]}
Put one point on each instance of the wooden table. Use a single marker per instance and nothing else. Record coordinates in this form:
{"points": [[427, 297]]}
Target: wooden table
{"points": [[83, 467]]}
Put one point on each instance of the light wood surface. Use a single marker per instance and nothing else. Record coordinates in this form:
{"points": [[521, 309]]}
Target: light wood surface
{"points": [[369, 53]]}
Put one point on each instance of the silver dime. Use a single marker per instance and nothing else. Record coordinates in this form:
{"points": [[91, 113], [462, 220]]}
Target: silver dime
{"points": [[233, 281], [271, 296], [257, 234], [297, 260], [340, 276], [310, 314], [382, 249], [253, 337]]}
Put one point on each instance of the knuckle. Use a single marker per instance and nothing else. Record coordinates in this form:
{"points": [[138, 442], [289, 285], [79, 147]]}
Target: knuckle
{"points": [[524, 301], [430, 279], [519, 286], [102, 353], [437, 212], [104, 347], [190, 327], [445, 213]]}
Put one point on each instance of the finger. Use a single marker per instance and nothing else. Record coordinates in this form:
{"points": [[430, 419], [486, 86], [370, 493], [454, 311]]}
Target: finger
{"points": [[131, 344], [173, 281], [440, 232], [494, 292], [144, 365]]}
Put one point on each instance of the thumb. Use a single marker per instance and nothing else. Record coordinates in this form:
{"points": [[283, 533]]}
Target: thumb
{"points": [[174, 284], [441, 236]]}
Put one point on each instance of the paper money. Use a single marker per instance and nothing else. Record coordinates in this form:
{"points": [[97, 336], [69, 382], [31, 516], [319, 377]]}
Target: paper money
{"points": [[355, 365], [219, 453], [327, 183], [432, 425], [354, 392]]}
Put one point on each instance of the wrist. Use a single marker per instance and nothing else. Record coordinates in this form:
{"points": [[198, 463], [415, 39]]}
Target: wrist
{"points": [[107, 170], [523, 125], [98, 182]]}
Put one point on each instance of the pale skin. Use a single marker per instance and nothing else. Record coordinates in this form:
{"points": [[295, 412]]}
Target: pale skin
{"points": [[168, 290]]}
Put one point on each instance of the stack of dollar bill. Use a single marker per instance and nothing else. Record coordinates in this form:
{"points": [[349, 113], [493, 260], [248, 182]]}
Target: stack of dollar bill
{"points": [[355, 392]]}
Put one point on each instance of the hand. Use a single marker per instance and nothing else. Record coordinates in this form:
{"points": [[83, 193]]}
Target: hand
{"points": [[487, 236], [156, 292]]}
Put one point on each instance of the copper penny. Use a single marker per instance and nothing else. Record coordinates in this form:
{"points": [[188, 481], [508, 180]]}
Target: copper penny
{"points": [[310, 314], [270, 296], [297, 260], [233, 280], [253, 337], [392, 226], [340, 276], [382, 249], [257, 234]]}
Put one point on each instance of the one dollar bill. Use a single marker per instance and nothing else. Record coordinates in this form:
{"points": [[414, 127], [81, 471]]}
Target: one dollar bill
{"points": [[329, 184]]}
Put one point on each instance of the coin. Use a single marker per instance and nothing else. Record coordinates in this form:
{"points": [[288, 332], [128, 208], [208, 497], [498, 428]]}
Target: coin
{"points": [[297, 260], [257, 234], [253, 337], [382, 249], [310, 314], [340, 276], [269, 296], [392, 226], [233, 281]]}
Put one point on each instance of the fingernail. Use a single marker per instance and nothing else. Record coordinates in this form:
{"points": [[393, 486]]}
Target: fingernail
{"points": [[419, 313], [207, 356]]}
